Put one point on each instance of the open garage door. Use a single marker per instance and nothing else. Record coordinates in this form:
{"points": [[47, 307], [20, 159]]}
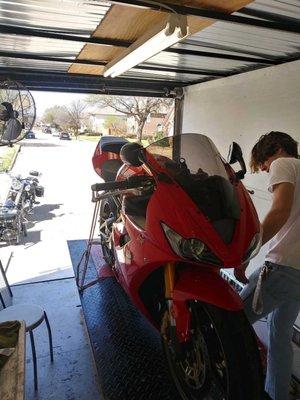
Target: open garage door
{"points": [[67, 45]]}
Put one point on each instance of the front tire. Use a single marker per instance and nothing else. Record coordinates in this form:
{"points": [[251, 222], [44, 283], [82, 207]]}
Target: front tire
{"points": [[221, 360]]}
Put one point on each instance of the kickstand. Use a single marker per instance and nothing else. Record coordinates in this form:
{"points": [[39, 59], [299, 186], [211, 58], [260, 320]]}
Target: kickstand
{"points": [[80, 277]]}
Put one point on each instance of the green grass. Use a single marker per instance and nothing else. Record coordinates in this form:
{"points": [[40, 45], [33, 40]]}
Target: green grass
{"points": [[145, 142], [7, 156], [89, 138]]}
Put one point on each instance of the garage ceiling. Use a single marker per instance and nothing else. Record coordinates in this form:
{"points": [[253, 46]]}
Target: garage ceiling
{"points": [[63, 45]]}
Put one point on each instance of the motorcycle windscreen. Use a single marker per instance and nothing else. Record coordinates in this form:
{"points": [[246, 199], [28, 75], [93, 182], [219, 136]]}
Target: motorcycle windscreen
{"points": [[194, 162]]}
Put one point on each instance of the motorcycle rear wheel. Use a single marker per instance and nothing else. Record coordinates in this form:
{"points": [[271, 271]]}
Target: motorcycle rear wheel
{"points": [[220, 361]]}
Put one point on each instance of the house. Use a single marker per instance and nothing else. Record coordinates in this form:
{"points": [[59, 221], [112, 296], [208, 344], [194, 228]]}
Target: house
{"points": [[153, 124], [168, 122], [106, 120]]}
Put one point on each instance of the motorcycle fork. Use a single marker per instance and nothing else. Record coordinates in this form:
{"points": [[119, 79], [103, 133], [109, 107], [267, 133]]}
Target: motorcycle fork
{"points": [[168, 326], [168, 322], [169, 275]]}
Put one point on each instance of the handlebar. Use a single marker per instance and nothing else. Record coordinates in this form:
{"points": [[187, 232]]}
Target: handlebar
{"points": [[130, 183]]}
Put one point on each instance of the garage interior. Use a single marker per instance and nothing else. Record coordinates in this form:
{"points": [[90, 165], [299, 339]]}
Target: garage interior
{"points": [[234, 77]]}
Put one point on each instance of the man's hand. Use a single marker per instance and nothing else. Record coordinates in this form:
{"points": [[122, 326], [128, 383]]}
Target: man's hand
{"points": [[239, 273]]}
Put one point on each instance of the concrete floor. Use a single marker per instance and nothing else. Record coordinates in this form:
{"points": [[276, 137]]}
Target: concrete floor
{"points": [[72, 376], [64, 213]]}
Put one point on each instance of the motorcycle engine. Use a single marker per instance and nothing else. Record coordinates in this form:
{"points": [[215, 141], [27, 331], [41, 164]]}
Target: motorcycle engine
{"points": [[8, 214]]}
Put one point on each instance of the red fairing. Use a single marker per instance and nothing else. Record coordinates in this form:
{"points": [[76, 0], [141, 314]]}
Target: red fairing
{"points": [[148, 248], [142, 247], [204, 285]]}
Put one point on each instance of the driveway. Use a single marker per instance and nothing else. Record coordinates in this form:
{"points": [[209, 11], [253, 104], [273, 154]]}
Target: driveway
{"points": [[64, 213]]}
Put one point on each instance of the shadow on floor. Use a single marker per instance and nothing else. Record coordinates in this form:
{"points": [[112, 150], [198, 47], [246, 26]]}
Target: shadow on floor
{"points": [[44, 212]]}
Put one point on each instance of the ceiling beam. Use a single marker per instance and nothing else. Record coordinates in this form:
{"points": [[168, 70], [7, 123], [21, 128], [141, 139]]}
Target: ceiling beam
{"points": [[215, 15], [14, 30], [40, 75], [53, 79], [18, 30], [267, 15], [113, 92], [211, 54], [152, 67]]}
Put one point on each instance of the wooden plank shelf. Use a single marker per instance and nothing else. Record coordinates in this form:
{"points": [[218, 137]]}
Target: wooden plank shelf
{"points": [[12, 375]]}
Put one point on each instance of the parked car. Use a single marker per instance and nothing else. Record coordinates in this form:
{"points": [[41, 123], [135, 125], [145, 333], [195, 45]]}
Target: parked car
{"points": [[30, 135], [55, 132], [64, 136]]}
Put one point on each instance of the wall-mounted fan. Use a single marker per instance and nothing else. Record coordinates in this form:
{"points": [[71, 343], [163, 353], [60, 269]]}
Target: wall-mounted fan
{"points": [[17, 112]]}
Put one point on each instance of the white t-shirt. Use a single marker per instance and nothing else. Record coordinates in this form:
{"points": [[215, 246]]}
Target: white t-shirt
{"points": [[284, 247]]}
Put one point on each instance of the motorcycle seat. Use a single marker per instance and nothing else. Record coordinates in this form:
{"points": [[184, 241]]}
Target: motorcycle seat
{"points": [[110, 168], [112, 144]]}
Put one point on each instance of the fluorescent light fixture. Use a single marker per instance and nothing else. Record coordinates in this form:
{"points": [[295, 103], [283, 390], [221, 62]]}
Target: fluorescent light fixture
{"points": [[152, 42]]}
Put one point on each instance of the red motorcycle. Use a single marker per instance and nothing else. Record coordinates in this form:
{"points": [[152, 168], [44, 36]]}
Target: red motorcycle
{"points": [[172, 215]]}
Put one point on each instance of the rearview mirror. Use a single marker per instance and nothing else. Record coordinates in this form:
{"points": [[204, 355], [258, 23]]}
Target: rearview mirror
{"points": [[131, 154], [236, 155]]}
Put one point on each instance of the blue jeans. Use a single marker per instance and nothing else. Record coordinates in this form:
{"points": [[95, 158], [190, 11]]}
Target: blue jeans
{"points": [[281, 303]]}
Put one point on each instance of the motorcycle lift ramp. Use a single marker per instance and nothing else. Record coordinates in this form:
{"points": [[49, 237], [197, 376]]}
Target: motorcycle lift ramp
{"points": [[127, 350]]}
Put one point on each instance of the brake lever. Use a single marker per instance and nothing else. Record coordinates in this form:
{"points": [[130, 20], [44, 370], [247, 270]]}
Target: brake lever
{"points": [[96, 196]]}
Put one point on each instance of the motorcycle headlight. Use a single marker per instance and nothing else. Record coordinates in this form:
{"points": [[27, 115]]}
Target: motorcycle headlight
{"points": [[27, 188], [16, 184], [187, 248], [254, 246], [192, 248]]}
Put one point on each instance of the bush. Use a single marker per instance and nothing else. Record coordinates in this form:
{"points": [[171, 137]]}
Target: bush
{"points": [[159, 135], [92, 133], [130, 135]]}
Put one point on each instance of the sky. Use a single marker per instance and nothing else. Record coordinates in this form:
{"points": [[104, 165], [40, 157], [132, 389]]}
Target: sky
{"points": [[44, 100]]}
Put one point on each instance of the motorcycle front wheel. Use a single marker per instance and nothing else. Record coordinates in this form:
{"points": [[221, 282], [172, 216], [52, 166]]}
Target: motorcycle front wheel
{"points": [[221, 360], [107, 215]]}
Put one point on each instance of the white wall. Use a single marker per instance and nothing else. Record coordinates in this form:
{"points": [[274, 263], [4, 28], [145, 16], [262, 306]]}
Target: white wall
{"points": [[243, 107]]}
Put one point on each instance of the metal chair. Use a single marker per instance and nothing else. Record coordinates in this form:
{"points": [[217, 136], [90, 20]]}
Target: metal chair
{"points": [[31, 314]]}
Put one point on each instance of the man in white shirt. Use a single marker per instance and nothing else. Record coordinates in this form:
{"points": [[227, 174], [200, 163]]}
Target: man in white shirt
{"points": [[279, 292]]}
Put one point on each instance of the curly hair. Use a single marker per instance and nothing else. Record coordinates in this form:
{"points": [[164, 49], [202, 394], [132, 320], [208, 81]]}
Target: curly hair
{"points": [[269, 144]]}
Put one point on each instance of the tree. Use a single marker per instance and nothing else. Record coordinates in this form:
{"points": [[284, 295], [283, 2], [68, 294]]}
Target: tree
{"points": [[76, 113], [137, 107], [55, 116], [115, 125]]}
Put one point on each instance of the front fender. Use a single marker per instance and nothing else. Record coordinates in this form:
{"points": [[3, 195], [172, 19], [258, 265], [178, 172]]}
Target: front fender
{"points": [[206, 286]]}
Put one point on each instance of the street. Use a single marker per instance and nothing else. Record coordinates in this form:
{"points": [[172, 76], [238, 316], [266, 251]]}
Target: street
{"points": [[64, 213]]}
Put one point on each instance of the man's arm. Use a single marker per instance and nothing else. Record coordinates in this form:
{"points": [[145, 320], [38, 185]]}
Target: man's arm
{"points": [[283, 196]]}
